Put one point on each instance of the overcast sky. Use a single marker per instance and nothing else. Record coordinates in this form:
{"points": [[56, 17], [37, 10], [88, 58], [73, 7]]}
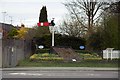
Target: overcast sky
{"points": [[27, 11]]}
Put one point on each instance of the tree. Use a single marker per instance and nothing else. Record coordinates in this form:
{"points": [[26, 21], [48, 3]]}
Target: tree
{"points": [[107, 33], [118, 9], [110, 28], [88, 9], [42, 30], [68, 41], [13, 33], [43, 15], [70, 26], [30, 33], [22, 32]]}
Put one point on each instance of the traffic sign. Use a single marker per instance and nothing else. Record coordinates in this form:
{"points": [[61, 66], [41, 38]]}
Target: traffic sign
{"points": [[43, 24], [82, 47]]}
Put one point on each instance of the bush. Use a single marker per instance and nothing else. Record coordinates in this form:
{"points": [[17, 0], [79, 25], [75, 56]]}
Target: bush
{"points": [[61, 40], [39, 51], [34, 56]]}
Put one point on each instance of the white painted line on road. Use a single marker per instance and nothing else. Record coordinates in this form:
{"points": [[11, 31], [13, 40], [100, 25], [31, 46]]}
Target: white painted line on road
{"points": [[90, 74], [17, 73], [24, 74]]}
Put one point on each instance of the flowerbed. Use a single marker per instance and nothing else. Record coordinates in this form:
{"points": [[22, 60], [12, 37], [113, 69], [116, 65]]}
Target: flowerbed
{"points": [[45, 57]]}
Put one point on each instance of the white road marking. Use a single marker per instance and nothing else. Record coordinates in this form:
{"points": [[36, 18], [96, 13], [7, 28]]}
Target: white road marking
{"points": [[31, 74], [90, 74]]}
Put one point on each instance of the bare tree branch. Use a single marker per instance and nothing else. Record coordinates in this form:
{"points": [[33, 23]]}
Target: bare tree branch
{"points": [[90, 8]]}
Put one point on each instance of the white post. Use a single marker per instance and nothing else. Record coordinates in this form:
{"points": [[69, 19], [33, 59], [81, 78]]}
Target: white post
{"points": [[107, 54], [111, 54], [52, 35]]}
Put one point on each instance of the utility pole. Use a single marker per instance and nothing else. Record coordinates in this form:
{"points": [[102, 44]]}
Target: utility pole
{"points": [[4, 14]]}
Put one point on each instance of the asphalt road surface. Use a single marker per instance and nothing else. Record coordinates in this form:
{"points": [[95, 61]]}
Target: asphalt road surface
{"points": [[60, 74]]}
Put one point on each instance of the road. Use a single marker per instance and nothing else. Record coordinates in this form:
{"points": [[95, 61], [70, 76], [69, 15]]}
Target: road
{"points": [[60, 74]]}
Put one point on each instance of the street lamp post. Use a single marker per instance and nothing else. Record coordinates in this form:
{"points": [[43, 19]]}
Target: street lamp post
{"points": [[52, 24]]}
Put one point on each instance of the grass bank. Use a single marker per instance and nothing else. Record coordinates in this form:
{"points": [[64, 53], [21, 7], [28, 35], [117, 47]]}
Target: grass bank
{"points": [[83, 63]]}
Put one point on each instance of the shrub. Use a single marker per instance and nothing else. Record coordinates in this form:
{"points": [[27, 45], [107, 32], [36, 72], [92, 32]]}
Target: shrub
{"points": [[60, 40], [33, 56], [39, 51]]}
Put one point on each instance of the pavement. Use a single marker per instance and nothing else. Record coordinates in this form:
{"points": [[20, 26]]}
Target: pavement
{"points": [[60, 69]]}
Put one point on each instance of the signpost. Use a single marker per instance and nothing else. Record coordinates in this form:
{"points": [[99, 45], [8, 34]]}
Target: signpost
{"points": [[52, 24], [40, 24], [43, 24], [82, 47], [41, 47], [53, 36]]}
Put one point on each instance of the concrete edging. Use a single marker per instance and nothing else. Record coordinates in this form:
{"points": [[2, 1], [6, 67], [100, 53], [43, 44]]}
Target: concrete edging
{"points": [[59, 69]]}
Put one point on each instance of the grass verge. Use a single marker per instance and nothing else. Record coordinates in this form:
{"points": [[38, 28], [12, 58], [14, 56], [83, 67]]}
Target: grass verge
{"points": [[83, 63]]}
